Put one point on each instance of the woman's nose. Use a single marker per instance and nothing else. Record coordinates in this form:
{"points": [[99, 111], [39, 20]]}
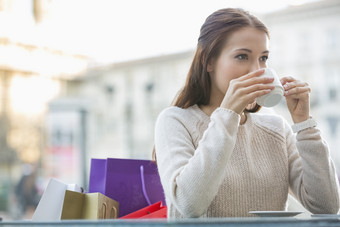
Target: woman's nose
{"points": [[255, 66]]}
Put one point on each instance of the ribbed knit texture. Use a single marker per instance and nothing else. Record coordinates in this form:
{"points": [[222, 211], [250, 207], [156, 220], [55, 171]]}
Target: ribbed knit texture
{"points": [[215, 167]]}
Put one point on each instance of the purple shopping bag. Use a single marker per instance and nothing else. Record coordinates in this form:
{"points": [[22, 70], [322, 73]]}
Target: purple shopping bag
{"points": [[133, 183]]}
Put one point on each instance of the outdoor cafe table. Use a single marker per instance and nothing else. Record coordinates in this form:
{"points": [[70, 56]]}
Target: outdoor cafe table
{"points": [[249, 222]]}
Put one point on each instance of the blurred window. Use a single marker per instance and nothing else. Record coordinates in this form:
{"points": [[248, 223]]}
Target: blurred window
{"points": [[149, 87], [332, 39], [333, 124], [315, 98], [333, 94], [305, 42]]}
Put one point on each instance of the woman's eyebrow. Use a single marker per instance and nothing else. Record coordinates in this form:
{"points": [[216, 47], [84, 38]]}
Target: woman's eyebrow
{"points": [[243, 49], [250, 51]]}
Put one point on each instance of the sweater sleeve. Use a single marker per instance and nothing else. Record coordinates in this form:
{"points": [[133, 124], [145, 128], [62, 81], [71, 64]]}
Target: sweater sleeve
{"points": [[191, 177], [312, 177]]}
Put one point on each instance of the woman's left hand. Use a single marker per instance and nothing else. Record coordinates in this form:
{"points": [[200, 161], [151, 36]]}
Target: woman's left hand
{"points": [[297, 96]]}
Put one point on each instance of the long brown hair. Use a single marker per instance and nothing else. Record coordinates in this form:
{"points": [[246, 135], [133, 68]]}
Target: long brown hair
{"points": [[213, 34]]}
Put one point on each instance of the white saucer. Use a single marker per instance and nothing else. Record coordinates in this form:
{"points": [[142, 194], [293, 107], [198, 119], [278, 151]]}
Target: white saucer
{"points": [[275, 213], [325, 215]]}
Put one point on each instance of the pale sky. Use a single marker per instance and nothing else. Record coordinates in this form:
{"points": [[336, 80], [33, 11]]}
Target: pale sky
{"points": [[115, 31]]}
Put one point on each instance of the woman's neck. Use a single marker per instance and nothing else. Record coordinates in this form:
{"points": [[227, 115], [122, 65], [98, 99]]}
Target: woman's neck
{"points": [[208, 110]]}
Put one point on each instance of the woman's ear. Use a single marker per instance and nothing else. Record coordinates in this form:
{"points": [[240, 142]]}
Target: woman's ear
{"points": [[210, 66]]}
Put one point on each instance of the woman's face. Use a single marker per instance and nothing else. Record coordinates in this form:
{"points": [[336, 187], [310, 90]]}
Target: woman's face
{"points": [[246, 50]]}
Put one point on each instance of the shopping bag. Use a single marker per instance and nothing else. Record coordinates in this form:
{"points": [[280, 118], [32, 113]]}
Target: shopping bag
{"points": [[135, 184], [99, 206], [51, 203], [72, 205], [155, 210], [88, 206]]}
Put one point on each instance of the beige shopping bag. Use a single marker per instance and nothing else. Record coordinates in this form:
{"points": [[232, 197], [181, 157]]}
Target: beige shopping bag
{"points": [[73, 205], [89, 206], [99, 206]]}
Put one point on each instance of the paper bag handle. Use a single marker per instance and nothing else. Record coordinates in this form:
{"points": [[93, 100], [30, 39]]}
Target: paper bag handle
{"points": [[143, 185], [104, 210], [114, 212]]}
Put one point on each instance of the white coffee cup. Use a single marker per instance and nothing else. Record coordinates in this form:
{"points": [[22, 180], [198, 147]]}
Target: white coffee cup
{"points": [[274, 97]]}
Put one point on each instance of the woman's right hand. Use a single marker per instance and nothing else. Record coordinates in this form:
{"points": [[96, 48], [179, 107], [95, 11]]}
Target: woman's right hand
{"points": [[245, 89]]}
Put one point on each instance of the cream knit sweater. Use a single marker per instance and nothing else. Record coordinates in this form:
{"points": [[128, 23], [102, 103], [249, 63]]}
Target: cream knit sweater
{"points": [[215, 167]]}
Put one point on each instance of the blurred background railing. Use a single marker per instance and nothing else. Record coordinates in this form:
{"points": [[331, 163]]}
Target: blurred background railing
{"points": [[87, 79]]}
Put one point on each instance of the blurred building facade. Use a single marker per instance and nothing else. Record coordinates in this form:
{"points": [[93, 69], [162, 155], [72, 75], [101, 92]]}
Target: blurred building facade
{"points": [[32, 73], [124, 101]]}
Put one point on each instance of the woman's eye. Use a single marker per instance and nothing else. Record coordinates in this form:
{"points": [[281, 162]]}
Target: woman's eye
{"points": [[242, 57], [264, 58]]}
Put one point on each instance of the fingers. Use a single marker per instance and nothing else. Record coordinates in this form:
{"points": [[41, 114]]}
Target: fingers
{"points": [[301, 95], [258, 87], [251, 78], [258, 82], [256, 73], [252, 96], [287, 79], [245, 90], [294, 87], [240, 101], [297, 91], [250, 86], [252, 92]]}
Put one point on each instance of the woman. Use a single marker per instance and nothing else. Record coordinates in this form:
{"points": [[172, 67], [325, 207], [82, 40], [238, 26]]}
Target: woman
{"points": [[216, 156]]}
